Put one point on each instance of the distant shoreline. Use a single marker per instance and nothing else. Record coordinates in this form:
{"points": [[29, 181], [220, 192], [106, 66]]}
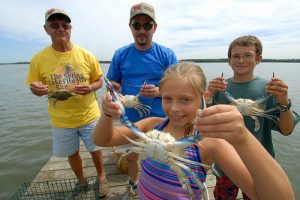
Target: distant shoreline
{"points": [[218, 60]]}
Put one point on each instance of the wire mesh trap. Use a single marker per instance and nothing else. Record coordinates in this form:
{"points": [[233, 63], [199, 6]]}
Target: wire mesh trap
{"points": [[59, 190]]}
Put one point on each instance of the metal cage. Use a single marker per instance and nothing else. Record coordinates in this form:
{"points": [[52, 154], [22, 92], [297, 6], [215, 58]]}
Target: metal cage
{"points": [[59, 190]]}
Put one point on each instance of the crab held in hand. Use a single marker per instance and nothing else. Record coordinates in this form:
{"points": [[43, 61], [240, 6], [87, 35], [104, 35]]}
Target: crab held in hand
{"points": [[60, 95], [253, 109], [132, 101]]}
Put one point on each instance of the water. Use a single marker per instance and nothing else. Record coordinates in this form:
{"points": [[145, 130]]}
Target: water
{"points": [[26, 136]]}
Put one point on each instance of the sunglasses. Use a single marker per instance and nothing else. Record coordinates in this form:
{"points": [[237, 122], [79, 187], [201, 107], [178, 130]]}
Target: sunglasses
{"points": [[58, 25], [138, 26]]}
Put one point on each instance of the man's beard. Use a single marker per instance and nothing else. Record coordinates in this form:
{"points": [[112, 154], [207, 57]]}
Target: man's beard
{"points": [[143, 41]]}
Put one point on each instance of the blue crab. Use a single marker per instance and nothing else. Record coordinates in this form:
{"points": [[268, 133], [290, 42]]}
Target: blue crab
{"points": [[253, 109], [163, 147], [60, 95], [132, 101]]}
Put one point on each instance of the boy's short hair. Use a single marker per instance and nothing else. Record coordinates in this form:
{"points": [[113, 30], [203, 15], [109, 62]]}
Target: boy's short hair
{"points": [[247, 40]]}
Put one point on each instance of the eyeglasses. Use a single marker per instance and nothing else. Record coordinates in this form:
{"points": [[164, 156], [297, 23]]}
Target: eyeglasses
{"points": [[138, 26], [246, 57], [58, 25]]}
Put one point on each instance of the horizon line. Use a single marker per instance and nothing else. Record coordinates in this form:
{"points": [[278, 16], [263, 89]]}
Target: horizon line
{"points": [[296, 60]]}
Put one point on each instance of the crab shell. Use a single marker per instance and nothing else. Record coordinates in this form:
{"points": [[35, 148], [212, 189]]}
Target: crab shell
{"points": [[160, 144], [131, 101], [60, 95], [248, 106]]}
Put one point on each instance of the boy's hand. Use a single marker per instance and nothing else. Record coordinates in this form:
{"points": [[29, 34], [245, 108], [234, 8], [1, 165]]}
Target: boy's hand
{"points": [[222, 121], [279, 89], [217, 84]]}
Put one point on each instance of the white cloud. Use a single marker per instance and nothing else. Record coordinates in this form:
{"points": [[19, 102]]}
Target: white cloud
{"points": [[193, 29]]}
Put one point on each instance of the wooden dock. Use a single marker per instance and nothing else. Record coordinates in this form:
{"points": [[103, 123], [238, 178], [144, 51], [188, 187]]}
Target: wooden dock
{"points": [[59, 169]]}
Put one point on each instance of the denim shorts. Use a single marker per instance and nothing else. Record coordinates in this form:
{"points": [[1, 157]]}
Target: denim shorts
{"points": [[66, 141]]}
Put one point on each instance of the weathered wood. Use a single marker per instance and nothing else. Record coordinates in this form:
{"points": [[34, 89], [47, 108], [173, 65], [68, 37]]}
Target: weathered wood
{"points": [[59, 169]]}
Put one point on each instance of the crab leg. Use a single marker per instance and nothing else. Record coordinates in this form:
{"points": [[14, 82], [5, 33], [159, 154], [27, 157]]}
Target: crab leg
{"points": [[199, 183], [123, 118], [143, 109], [230, 97], [133, 150], [188, 161], [258, 101], [270, 117], [133, 141], [145, 83], [262, 99], [123, 150]]}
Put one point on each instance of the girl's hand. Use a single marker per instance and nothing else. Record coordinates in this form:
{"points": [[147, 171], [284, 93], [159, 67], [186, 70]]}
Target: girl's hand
{"points": [[109, 107], [222, 121]]}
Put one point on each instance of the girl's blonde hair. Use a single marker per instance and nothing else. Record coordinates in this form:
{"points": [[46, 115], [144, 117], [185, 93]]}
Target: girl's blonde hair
{"points": [[186, 70]]}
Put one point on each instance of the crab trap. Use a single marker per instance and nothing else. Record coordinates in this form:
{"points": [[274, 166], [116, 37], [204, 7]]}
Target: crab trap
{"points": [[59, 190]]}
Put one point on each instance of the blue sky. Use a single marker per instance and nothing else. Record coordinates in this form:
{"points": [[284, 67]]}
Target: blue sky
{"points": [[192, 28]]}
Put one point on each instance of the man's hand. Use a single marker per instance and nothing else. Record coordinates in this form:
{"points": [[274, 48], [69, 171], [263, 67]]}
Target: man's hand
{"points": [[82, 89], [149, 91], [38, 88]]}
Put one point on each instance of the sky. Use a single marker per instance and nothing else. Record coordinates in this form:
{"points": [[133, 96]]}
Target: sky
{"points": [[193, 29]]}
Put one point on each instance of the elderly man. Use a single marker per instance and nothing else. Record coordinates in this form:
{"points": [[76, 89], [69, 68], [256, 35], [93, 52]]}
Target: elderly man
{"points": [[69, 75]]}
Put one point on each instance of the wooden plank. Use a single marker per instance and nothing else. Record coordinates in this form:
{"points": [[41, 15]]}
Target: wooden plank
{"points": [[59, 169]]}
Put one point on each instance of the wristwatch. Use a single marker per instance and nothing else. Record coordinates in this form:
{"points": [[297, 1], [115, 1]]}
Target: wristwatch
{"points": [[284, 108]]}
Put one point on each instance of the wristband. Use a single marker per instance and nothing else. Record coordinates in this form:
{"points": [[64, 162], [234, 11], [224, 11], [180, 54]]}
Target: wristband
{"points": [[108, 115], [90, 88]]}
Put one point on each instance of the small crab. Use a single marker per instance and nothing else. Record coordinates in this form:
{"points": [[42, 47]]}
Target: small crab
{"points": [[132, 101], [60, 95], [253, 109]]}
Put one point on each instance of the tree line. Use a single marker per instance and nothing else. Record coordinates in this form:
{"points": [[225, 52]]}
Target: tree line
{"points": [[208, 60]]}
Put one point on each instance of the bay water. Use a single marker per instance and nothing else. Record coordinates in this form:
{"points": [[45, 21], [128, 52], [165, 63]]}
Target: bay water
{"points": [[25, 133]]}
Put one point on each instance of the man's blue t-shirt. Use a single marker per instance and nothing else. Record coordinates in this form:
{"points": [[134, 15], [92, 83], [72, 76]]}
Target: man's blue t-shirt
{"points": [[132, 67]]}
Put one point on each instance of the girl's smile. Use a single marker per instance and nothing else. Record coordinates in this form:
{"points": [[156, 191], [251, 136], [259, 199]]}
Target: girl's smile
{"points": [[180, 102]]}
